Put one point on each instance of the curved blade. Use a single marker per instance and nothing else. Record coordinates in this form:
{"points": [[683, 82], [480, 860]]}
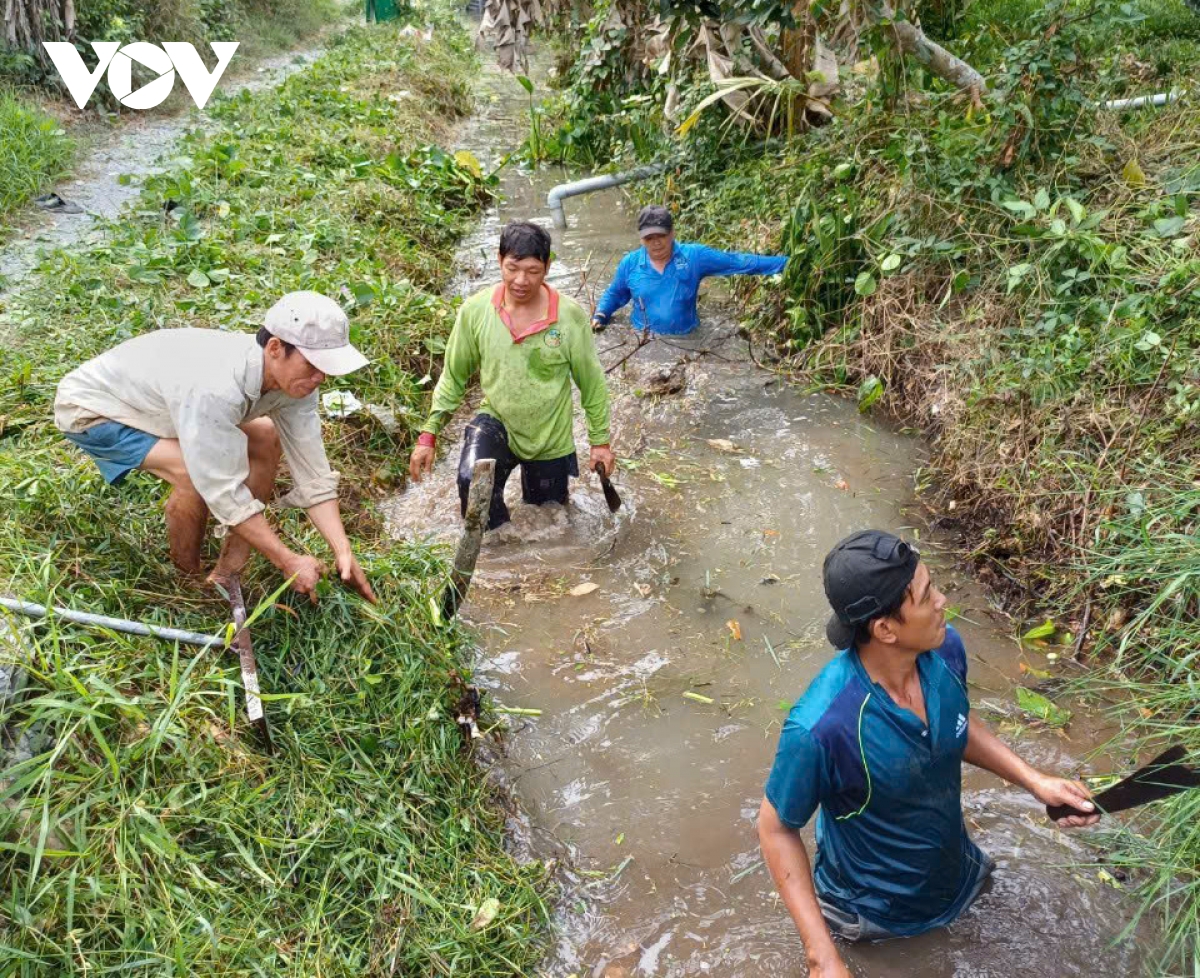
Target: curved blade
{"points": [[611, 496], [1162, 777]]}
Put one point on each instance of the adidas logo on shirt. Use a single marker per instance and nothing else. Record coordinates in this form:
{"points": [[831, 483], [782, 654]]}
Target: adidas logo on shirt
{"points": [[961, 726]]}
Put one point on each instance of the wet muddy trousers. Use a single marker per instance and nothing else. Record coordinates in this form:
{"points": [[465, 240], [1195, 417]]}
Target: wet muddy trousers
{"points": [[541, 482]]}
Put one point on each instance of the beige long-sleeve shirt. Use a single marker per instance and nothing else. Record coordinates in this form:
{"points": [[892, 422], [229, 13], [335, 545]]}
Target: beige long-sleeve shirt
{"points": [[198, 385]]}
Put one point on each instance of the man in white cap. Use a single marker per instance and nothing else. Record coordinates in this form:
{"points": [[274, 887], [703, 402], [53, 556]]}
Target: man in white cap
{"points": [[210, 412]]}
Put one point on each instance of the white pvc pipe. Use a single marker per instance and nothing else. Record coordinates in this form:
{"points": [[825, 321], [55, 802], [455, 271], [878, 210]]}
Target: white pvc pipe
{"points": [[1143, 100], [591, 184], [31, 610]]}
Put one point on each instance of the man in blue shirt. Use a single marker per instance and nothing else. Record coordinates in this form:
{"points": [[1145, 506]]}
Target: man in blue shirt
{"points": [[877, 743], [662, 278]]}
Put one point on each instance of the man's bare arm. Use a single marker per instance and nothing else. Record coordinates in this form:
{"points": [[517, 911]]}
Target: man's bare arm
{"points": [[306, 570], [986, 750], [787, 859], [327, 518]]}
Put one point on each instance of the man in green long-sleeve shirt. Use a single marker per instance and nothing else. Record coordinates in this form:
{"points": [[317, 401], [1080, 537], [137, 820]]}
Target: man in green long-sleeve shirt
{"points": [[527, 344]]}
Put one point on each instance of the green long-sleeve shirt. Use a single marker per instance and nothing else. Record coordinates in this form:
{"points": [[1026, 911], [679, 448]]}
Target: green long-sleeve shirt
{"points": [[526, 382]]}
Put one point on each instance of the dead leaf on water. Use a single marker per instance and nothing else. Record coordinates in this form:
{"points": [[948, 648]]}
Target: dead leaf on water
{"points": [[487, 913], [735, 629], [722, 445], [587, 587]]}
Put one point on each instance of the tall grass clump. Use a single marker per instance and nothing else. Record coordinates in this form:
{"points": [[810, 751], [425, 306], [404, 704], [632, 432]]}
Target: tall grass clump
{"points": [[142, 828], [34, 152], [1143, 583]]}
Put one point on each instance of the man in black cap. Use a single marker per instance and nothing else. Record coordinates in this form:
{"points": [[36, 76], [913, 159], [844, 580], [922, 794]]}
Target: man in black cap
{"points": [[877, 742], [662, 278]]}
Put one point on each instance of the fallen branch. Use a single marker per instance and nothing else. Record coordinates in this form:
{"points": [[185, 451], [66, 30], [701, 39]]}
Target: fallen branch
{"points": [[912, 41]]}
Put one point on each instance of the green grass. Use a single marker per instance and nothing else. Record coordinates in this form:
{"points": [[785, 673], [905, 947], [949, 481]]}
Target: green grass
{"points": [[148, 833], [34, 152], [265, 27]]}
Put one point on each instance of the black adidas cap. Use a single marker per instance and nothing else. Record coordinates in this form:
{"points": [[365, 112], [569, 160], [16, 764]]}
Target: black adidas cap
{"points": [[864, 575]]}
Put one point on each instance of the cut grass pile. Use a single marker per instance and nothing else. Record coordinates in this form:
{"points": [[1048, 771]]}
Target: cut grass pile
{"points": [[142, 830], [34, 152]]}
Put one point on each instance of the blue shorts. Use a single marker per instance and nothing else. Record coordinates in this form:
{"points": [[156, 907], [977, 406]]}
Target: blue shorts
{"points": [[116, 448]]}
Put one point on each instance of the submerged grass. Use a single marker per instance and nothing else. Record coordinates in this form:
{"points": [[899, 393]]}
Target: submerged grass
{"points": [[142, 830]]}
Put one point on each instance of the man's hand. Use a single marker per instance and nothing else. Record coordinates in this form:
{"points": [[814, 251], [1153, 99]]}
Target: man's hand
{"points": [[598, 325], [352, 575], [307, 572], [421, 462], [831, 966], [603, 454], [1050, 790]]}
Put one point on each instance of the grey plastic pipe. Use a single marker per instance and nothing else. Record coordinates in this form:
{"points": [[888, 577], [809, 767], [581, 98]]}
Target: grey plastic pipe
{"points": [[31, 610], [1142, 100], [591, 184]]}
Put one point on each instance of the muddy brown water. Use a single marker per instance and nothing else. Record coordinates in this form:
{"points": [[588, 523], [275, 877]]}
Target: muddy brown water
{"points": [[707, 582]]}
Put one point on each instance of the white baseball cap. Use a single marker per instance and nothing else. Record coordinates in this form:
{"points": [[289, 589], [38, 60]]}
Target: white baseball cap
{"points": [[316, 326]]}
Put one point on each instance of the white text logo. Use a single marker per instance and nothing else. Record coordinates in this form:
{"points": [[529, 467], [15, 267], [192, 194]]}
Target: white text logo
{"points": [[164, 61]]}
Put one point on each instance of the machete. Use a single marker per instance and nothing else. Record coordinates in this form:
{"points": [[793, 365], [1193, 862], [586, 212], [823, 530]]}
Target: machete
{"points": [[475, 520], [1162, 777], [611, 496], [241, 642]]}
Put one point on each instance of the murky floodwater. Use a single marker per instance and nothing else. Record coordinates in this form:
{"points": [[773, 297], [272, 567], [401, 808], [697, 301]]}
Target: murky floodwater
{"points": [[708, 582], [136, 148]]}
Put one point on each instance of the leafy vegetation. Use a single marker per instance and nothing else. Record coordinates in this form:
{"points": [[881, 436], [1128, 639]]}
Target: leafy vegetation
{"points": [[34, 152], [1018, 278], [258, 25], [34, 148], [142, 828]]}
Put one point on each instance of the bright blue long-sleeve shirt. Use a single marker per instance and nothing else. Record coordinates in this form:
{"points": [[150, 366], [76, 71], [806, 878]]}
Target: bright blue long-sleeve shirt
{"points": [[666, 301]]}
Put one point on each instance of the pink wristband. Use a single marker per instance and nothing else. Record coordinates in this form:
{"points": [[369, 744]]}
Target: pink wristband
{"points": [[427, 438]]}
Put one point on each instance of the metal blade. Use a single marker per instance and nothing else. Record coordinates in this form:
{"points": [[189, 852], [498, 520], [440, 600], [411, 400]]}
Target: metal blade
{"points": [[241, 641], [611, 496], [1159, 779]]}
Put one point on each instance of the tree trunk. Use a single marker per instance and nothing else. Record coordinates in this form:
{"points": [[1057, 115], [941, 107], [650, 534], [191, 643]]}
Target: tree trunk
{"points": [[796, 41], [912, 41], [27, 23]]}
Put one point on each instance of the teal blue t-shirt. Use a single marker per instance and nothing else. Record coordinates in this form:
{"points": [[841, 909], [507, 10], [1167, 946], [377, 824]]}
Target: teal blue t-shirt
{"points": [[891, 841]]}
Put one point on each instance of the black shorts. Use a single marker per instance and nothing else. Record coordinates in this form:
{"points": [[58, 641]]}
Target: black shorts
{"points": [[541, 482]]}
